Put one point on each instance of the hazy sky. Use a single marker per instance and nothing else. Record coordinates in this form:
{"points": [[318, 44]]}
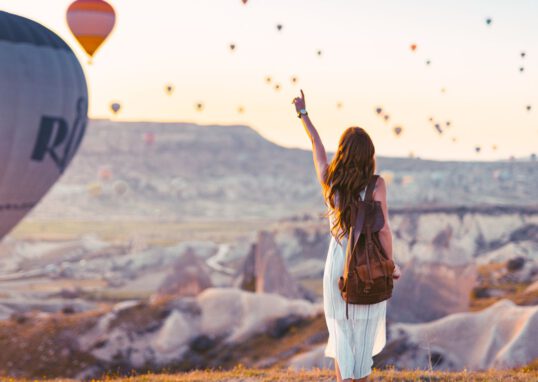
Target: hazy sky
{"points": [[366, 62]]}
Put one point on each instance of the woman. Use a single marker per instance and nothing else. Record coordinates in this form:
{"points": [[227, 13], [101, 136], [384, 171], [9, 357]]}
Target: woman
{"points": [[353, 342]]}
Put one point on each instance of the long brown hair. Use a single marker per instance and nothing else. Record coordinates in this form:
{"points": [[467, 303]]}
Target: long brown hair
{"points": [[347, 175]]}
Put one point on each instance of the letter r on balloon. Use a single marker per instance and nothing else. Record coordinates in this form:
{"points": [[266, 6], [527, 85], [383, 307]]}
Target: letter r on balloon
{"points": [[57, 140]]}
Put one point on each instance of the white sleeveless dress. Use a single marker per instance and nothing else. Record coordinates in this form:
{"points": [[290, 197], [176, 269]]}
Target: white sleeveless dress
{"points": [[352, 342]]}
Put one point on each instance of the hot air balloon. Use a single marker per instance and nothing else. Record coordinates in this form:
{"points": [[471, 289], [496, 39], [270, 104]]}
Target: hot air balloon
{"points": [[339, 105], [104, 173], [277, 87], [199, 106], [149, 138], [43, 109], [521, 69], [428, 62], [120, 187], [386, 117], [494, 147], [232, 47], [529, 107], [244, 1], [115, 107], [294, 80], [413, 47], [523, 54], [268, 79], [489, 21], [240, 109], [91, 21], [533, 157], [397, 130], [438, 128], [94, 189], [319, 53], [169, 89], [477, 149], [443, 90], [279, 27], [378, 110]]}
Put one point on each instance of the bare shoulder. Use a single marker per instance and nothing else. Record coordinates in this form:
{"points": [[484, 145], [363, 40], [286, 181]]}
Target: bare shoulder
{"points": [[380, 189]]}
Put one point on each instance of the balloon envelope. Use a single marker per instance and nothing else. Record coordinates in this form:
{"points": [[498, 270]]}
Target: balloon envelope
{"points": [[115, 107], [42, 126], [91, 21]]}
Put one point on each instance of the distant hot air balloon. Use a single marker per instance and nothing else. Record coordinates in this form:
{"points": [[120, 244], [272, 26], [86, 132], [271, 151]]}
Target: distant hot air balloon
{"points": [[104, 173], [279, 27], [268, 79], [94, 189], [169, 89], [522, 54], [277, 87], [378, 110], [454, 139], [339, 105], [91, 21], [120, 187], [489, 21], [240, 109], [533, 157], [448, 123], [443, 90], [428, 62], [43, 109], [294, 79], [199, 106], [149, 138], [521, 69], [477, 149], [397, 130], [494, 147], [413, 47], [115, 107], [386, 117], [438, 128], [244, 1], [232, 47], [319, 53], [529, 107]]}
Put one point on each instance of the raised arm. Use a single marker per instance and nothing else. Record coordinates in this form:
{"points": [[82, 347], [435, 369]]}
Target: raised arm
{"points": [[318, 150]]}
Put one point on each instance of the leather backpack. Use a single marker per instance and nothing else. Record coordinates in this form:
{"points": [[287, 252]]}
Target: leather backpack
{"points": [[367, 277]]}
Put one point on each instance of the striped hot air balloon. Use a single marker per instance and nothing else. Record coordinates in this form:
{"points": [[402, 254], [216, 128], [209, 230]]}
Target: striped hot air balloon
{"points": [[43, 114], [91, 21]]}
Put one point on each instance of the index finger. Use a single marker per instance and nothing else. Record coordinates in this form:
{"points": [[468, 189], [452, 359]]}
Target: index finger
{"points": [[302, 94]]}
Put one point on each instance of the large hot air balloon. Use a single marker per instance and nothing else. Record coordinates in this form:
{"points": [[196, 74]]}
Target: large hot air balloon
{"points": [[43, 114], [91, 21]]}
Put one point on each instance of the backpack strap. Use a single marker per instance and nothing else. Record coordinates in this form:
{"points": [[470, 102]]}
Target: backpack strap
{"points": [[370, 188]]}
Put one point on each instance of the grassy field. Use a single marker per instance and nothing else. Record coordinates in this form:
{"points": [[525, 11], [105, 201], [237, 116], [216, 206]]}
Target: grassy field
{"points": [[242, 374]]}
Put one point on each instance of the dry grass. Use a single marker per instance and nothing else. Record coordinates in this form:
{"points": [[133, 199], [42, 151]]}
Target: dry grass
{"points": [[242, 374]]}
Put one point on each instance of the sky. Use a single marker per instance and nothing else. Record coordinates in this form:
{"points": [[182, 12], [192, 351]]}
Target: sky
{"points": [[366, 63]]}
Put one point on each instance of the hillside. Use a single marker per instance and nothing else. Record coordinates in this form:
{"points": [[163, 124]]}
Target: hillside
{"points": [[188, 171]]}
